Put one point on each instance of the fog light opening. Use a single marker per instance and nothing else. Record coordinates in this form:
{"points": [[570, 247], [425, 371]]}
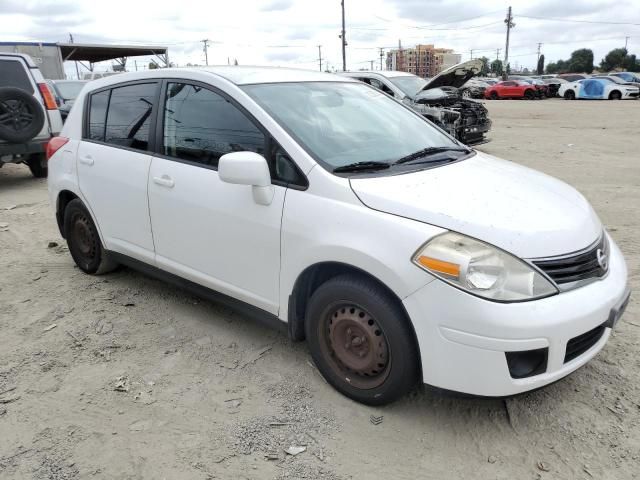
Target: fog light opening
{"points": [[527, 363]]}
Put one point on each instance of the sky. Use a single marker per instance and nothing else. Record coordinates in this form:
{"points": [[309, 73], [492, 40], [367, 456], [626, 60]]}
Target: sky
{"points": [[288, 32]]}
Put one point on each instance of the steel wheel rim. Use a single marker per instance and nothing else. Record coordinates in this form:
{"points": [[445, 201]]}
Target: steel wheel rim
{"points": [[355, 345], [84, 239]]}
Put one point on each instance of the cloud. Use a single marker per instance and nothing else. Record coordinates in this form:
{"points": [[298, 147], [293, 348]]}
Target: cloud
{"points": [[44, 8], [277, 6], [282, 56]]}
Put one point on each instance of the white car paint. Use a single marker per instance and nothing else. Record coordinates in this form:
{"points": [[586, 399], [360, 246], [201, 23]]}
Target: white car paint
{"points": [[190, 222], [627, 92]]}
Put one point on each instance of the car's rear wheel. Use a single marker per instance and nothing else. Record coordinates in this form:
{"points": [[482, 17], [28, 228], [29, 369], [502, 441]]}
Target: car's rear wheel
{"points": [[529, 94], [361, 341], [569, 95], [494, 96], [83, 240], [615, 95], [38, 165], [21, 116]]}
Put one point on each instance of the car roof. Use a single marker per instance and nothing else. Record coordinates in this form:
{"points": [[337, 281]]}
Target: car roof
{"points": [[382, 73], [238, 75], [24, 56]]}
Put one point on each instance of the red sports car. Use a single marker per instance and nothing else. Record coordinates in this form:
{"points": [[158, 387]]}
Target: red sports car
{"points": [[511, 89]]}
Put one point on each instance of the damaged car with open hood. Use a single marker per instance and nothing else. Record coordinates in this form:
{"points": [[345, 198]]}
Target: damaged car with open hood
{"points": [[439, 99]]}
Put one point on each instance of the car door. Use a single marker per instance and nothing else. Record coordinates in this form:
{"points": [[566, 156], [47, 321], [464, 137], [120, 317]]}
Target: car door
{"points": [[113, 165], [208, 231]]}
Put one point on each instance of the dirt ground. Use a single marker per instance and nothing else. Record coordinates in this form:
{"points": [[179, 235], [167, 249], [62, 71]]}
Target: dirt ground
{"points": [[138, 380]]}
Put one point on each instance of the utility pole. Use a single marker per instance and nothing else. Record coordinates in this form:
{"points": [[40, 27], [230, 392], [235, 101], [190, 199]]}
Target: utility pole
{"points": [[539, 45], [509, 22], [626, 42], [205, 42], [344, 41], [78, 71], [381, 57], [472, 54], [371, 61], [498, 53], [320, 56]]}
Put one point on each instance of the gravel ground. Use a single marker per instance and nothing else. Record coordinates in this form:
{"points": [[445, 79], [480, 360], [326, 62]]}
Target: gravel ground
{"points": [[124, 377]]}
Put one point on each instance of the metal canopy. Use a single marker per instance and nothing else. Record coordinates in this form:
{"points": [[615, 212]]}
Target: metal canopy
{"points": [[99, 53]]}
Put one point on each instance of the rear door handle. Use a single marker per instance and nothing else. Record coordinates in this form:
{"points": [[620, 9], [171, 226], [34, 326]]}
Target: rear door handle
{"points": [[164, 180], [87, 160]]}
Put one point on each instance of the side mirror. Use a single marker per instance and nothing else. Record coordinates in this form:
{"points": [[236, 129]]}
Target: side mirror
{"points": [[248, 168]]}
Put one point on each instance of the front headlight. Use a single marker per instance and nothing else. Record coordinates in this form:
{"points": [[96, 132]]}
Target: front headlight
{"points": [[481, 269]]}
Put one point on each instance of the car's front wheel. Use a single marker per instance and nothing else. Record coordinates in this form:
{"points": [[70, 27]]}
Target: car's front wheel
{"points": [[615, 95], [83, 240], [569, 95], [361, 340]]}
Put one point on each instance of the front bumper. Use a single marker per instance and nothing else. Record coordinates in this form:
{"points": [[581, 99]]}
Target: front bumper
{"points": [[463, 339]]}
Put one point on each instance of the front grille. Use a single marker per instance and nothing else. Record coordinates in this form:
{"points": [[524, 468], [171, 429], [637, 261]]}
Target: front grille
{"points": [[580, 266], [580, 344]]}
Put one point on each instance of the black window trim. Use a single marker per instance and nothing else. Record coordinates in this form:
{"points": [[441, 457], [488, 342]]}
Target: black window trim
{"points": [[151, 147], [268, 138]]}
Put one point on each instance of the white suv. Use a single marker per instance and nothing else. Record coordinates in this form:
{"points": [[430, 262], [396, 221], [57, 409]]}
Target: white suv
{"points": [[29, 115], [316, 200]]}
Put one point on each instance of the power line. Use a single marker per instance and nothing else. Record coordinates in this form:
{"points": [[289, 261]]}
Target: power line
{"points": [[571, 20]]}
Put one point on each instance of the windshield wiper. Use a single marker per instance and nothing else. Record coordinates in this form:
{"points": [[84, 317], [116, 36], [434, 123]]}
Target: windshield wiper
{"points": [[425, 152], [358, 166]]}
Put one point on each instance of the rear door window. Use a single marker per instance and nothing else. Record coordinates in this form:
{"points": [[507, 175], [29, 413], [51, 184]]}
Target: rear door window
{"points": [[129, 115], [13, 73]]}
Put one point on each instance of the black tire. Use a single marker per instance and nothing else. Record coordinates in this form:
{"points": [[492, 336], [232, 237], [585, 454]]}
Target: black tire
{"points": [[386, 343], [615, 95], [569, 95], [494, 95], [83, 240], [21, 115], [529, 94], [38, 165]]}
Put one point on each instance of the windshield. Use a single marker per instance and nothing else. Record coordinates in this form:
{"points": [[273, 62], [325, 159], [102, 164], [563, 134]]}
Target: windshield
{"points": [[69, 90], [343, 123], [409, 84]]}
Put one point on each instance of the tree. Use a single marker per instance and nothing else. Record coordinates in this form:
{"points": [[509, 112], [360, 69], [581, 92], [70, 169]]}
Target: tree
{"points": [[616, 58], [540, 67], [485, 66], [581, 61], [496, 67]]}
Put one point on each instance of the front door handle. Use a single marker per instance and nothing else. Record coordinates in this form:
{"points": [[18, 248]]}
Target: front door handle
{"points": [[87, 160], [164, 180]]}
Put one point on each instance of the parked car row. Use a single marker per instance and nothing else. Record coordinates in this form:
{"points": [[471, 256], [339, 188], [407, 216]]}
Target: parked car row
{"points": [[613, 86], [444, 99]]}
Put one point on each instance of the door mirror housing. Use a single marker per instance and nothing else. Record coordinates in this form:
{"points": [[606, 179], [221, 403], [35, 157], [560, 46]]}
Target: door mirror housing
{"points": [[244, 168], [248, 168]]}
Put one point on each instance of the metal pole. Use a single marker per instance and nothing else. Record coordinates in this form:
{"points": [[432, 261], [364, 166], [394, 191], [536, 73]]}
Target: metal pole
{"points": [[626, 42], [381, 57], [539, 45], [510, 25], [320, 56], [344, 41], [206, 53]]}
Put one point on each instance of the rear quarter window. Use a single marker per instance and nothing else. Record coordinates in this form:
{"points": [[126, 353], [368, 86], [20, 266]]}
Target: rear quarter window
{"points": [[13, 73]]}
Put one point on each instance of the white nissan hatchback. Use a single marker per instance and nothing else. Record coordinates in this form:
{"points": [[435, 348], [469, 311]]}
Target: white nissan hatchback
{"points": [[400, 254]]}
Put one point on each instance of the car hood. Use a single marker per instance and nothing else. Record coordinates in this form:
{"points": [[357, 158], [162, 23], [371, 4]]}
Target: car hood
{"points": [[520, 210], [455, 76]]}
